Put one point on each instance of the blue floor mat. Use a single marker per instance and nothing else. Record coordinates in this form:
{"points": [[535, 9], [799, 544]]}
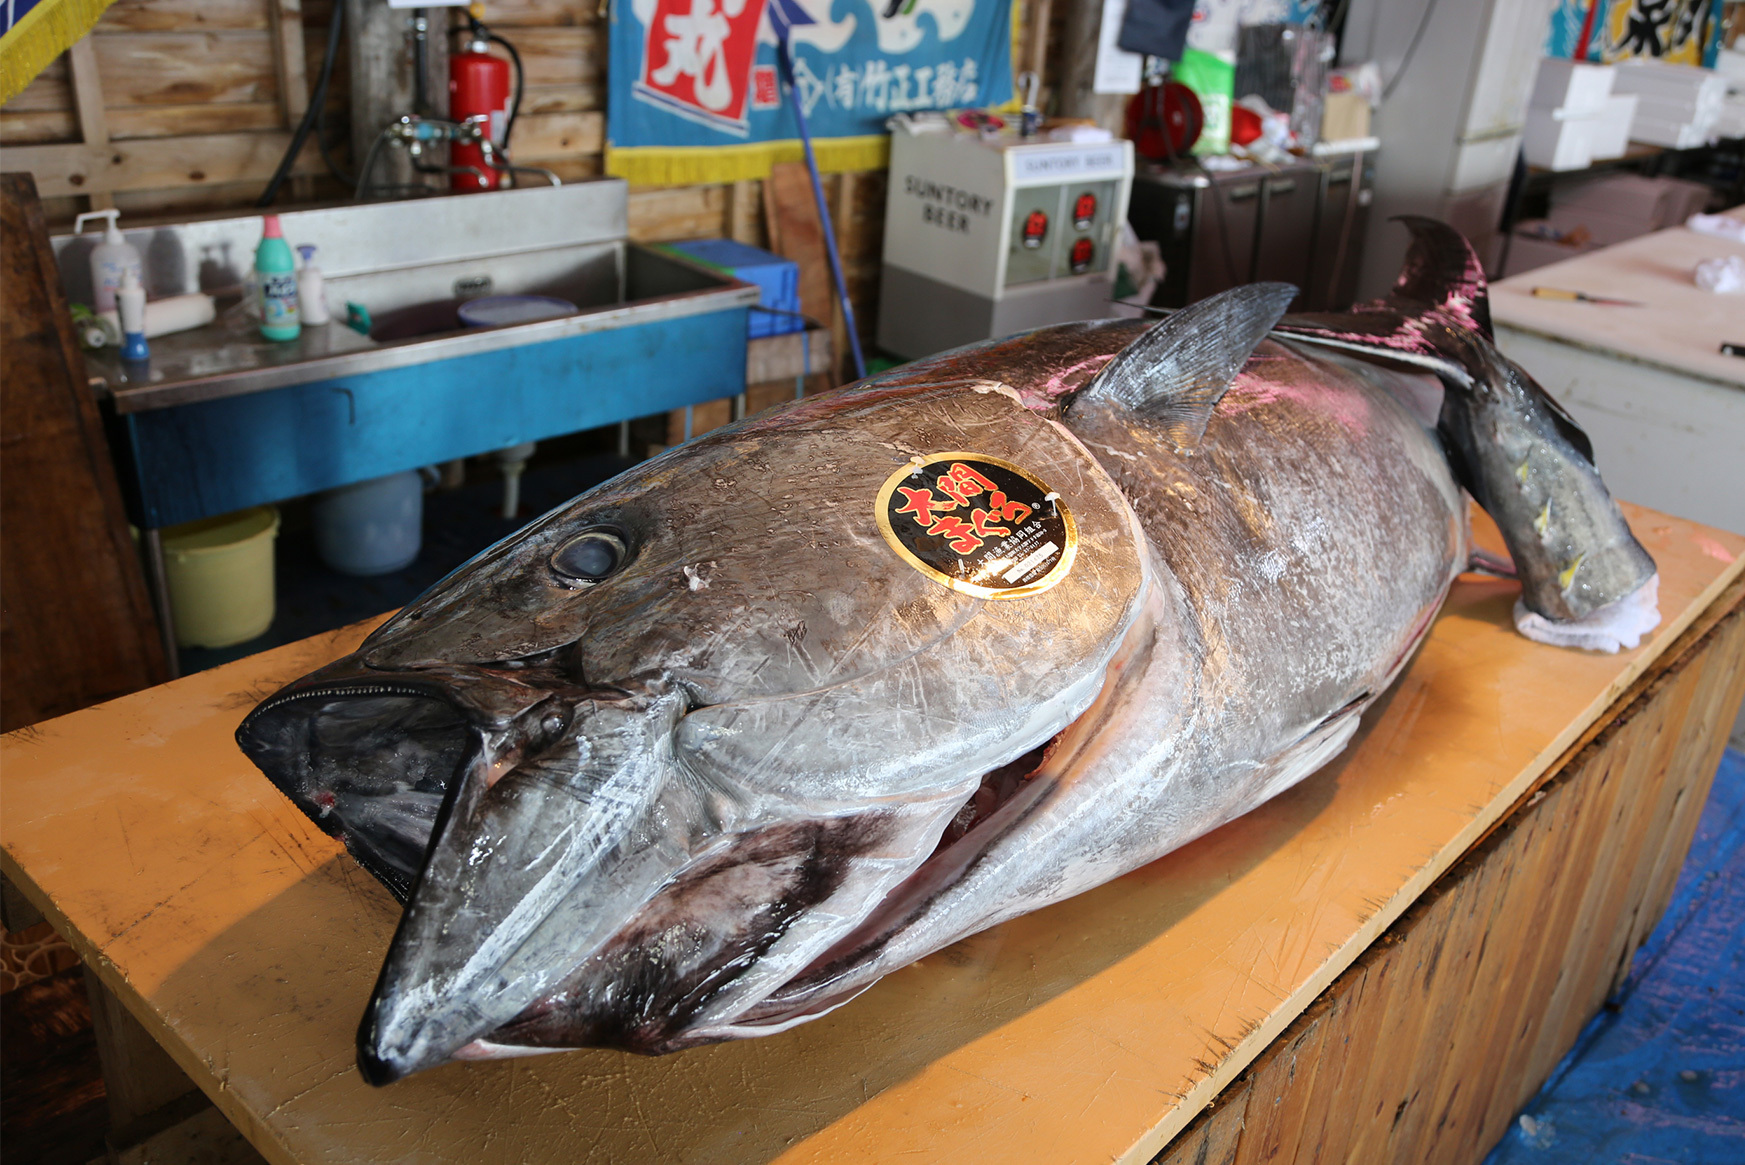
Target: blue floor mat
{"points": [[1659, 1074]]}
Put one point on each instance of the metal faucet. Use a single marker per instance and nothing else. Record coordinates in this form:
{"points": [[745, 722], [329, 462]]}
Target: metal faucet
{"points": [[416, 135]]}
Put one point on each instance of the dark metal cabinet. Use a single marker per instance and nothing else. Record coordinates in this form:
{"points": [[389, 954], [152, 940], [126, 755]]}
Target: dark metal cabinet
{"points": [[1301, 223]]}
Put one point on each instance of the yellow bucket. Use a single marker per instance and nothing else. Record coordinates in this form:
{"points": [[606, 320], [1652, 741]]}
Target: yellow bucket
{"points": [[220, 577]]}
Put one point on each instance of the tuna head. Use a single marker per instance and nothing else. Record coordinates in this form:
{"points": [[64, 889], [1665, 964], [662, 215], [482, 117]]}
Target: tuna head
{"points": [[640, 765]]}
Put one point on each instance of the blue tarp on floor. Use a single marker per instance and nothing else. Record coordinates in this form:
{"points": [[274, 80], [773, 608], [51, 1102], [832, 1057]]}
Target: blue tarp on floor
{"points": [[1659, 1075]]}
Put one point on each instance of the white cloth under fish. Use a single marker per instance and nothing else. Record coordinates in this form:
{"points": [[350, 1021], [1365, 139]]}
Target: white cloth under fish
{"points": [[1719, 225], [1613, 627], [1725, 274]]}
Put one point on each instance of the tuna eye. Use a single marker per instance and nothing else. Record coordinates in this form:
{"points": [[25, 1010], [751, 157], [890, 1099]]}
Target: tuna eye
{"points": [[590, 556]]}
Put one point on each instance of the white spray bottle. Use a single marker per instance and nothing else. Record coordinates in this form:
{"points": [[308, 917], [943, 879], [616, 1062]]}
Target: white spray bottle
{"points": [[110, 260], [311, 289]]}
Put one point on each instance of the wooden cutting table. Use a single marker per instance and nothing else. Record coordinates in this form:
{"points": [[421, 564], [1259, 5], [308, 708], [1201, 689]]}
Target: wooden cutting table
{"points": [[1245, 967]]}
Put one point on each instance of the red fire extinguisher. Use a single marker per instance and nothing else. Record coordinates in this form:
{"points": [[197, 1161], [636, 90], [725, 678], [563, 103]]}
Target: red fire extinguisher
{"points": [[478, 84]]}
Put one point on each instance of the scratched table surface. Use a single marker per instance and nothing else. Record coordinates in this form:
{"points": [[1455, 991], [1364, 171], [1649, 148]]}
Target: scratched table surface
{"points": [[1092, 1031], [1678, 325]]}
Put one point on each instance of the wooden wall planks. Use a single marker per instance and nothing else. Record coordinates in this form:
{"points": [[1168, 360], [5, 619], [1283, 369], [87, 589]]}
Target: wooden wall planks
{"points": [[184, 16], [1424, 1049]]}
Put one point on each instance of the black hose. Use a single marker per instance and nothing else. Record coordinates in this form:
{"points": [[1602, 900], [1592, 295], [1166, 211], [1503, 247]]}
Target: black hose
{"points": [[317, 99], [321, 143], [420, 61], [520, 83]]}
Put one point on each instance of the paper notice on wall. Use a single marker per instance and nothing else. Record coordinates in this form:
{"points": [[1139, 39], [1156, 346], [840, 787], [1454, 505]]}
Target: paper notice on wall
{"points": [[1118, 71]]}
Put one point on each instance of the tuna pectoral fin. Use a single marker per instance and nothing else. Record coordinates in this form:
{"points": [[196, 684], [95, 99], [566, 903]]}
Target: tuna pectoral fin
{"points": [[1178, 371], [1484, 562]]}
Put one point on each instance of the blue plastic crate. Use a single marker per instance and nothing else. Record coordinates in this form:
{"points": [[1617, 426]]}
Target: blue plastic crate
{"points": [[777, 280]]}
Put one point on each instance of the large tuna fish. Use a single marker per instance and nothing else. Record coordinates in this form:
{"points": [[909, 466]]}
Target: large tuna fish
{"points": [[707, 751]]}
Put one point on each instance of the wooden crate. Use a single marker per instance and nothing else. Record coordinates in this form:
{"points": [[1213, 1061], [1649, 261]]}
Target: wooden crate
{"points": [[1425, 1048]]}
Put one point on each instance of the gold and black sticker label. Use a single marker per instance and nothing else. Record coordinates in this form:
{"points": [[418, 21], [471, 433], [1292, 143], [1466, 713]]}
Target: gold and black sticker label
{"points": [[978, 524]]}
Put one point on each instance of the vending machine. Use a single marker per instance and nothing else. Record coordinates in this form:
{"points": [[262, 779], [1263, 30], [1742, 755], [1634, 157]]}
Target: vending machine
{"points": [[989, 233]]}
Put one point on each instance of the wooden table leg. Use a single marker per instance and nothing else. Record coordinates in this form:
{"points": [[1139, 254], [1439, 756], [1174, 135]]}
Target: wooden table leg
{"points": [[147, 1091], [152, 543]]}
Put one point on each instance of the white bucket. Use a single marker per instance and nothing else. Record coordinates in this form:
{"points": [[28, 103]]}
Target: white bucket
{"points": [[372, 527]]}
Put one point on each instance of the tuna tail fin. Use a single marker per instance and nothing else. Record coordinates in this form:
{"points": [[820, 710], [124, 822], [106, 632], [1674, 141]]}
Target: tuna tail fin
{"points": [[1177, 372], [1442, 271]]}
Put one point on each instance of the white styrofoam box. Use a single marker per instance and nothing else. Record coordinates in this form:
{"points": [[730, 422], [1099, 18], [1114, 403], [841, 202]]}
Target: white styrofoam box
{"points": [[1672, 82], [1678, 110], [1484, 163], [1497, 78], [1674, 136], [1730, 63], [1731, 123], [1558, 141], [1611, 136], [1576, 87]]}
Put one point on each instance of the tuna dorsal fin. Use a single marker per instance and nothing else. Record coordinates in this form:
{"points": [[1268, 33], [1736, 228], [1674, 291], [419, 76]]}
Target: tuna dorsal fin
{"points": [[1178, 371], [1441, 270]]}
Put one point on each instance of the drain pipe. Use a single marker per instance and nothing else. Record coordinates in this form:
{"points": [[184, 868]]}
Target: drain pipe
{"points": [[512, 461]]}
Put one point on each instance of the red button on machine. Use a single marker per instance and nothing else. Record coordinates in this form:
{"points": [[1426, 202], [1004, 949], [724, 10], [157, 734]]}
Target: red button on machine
{"points": [[1083, 251], [1084, 210], [1035, 229]]}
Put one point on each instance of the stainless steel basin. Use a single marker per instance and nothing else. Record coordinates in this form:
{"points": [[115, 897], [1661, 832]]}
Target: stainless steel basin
{"points": [[410, 264]]}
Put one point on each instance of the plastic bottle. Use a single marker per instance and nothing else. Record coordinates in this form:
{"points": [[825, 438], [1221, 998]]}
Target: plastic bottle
{"points": [[130, 301], [311, 288], [110, 259], [276, 272]]}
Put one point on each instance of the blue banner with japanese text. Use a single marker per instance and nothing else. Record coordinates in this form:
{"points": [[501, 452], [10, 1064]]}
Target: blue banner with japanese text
{"points": [[694, 93]]}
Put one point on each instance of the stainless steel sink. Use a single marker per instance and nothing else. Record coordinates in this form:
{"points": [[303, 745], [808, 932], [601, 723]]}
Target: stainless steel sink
{"points": [[411, 264]]}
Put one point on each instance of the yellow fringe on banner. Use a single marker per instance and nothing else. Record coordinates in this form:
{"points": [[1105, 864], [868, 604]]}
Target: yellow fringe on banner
{"points": [[695, 165], [47, 31]]}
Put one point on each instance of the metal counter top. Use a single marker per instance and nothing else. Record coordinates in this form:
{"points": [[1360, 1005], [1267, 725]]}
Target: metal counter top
{"points": [[229, 357]]}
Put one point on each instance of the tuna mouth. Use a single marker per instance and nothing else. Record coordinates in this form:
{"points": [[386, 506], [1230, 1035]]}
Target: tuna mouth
{"points": [[370, 762]]}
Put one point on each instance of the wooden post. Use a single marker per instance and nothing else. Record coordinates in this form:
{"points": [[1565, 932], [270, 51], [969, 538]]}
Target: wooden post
{"points": [[88, 102], [744, 210], [1078, 69], [382, 88], [286, 20], [73, 637]]}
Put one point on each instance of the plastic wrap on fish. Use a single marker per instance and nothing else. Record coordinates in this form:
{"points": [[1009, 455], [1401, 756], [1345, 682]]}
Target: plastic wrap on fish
{"points": [[707, 751]]}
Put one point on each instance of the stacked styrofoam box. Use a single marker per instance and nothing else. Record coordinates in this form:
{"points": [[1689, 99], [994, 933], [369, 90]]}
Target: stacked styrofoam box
{"points": [[1610, 135], [1678, 105], [1572, 115], [1614, 207]]}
